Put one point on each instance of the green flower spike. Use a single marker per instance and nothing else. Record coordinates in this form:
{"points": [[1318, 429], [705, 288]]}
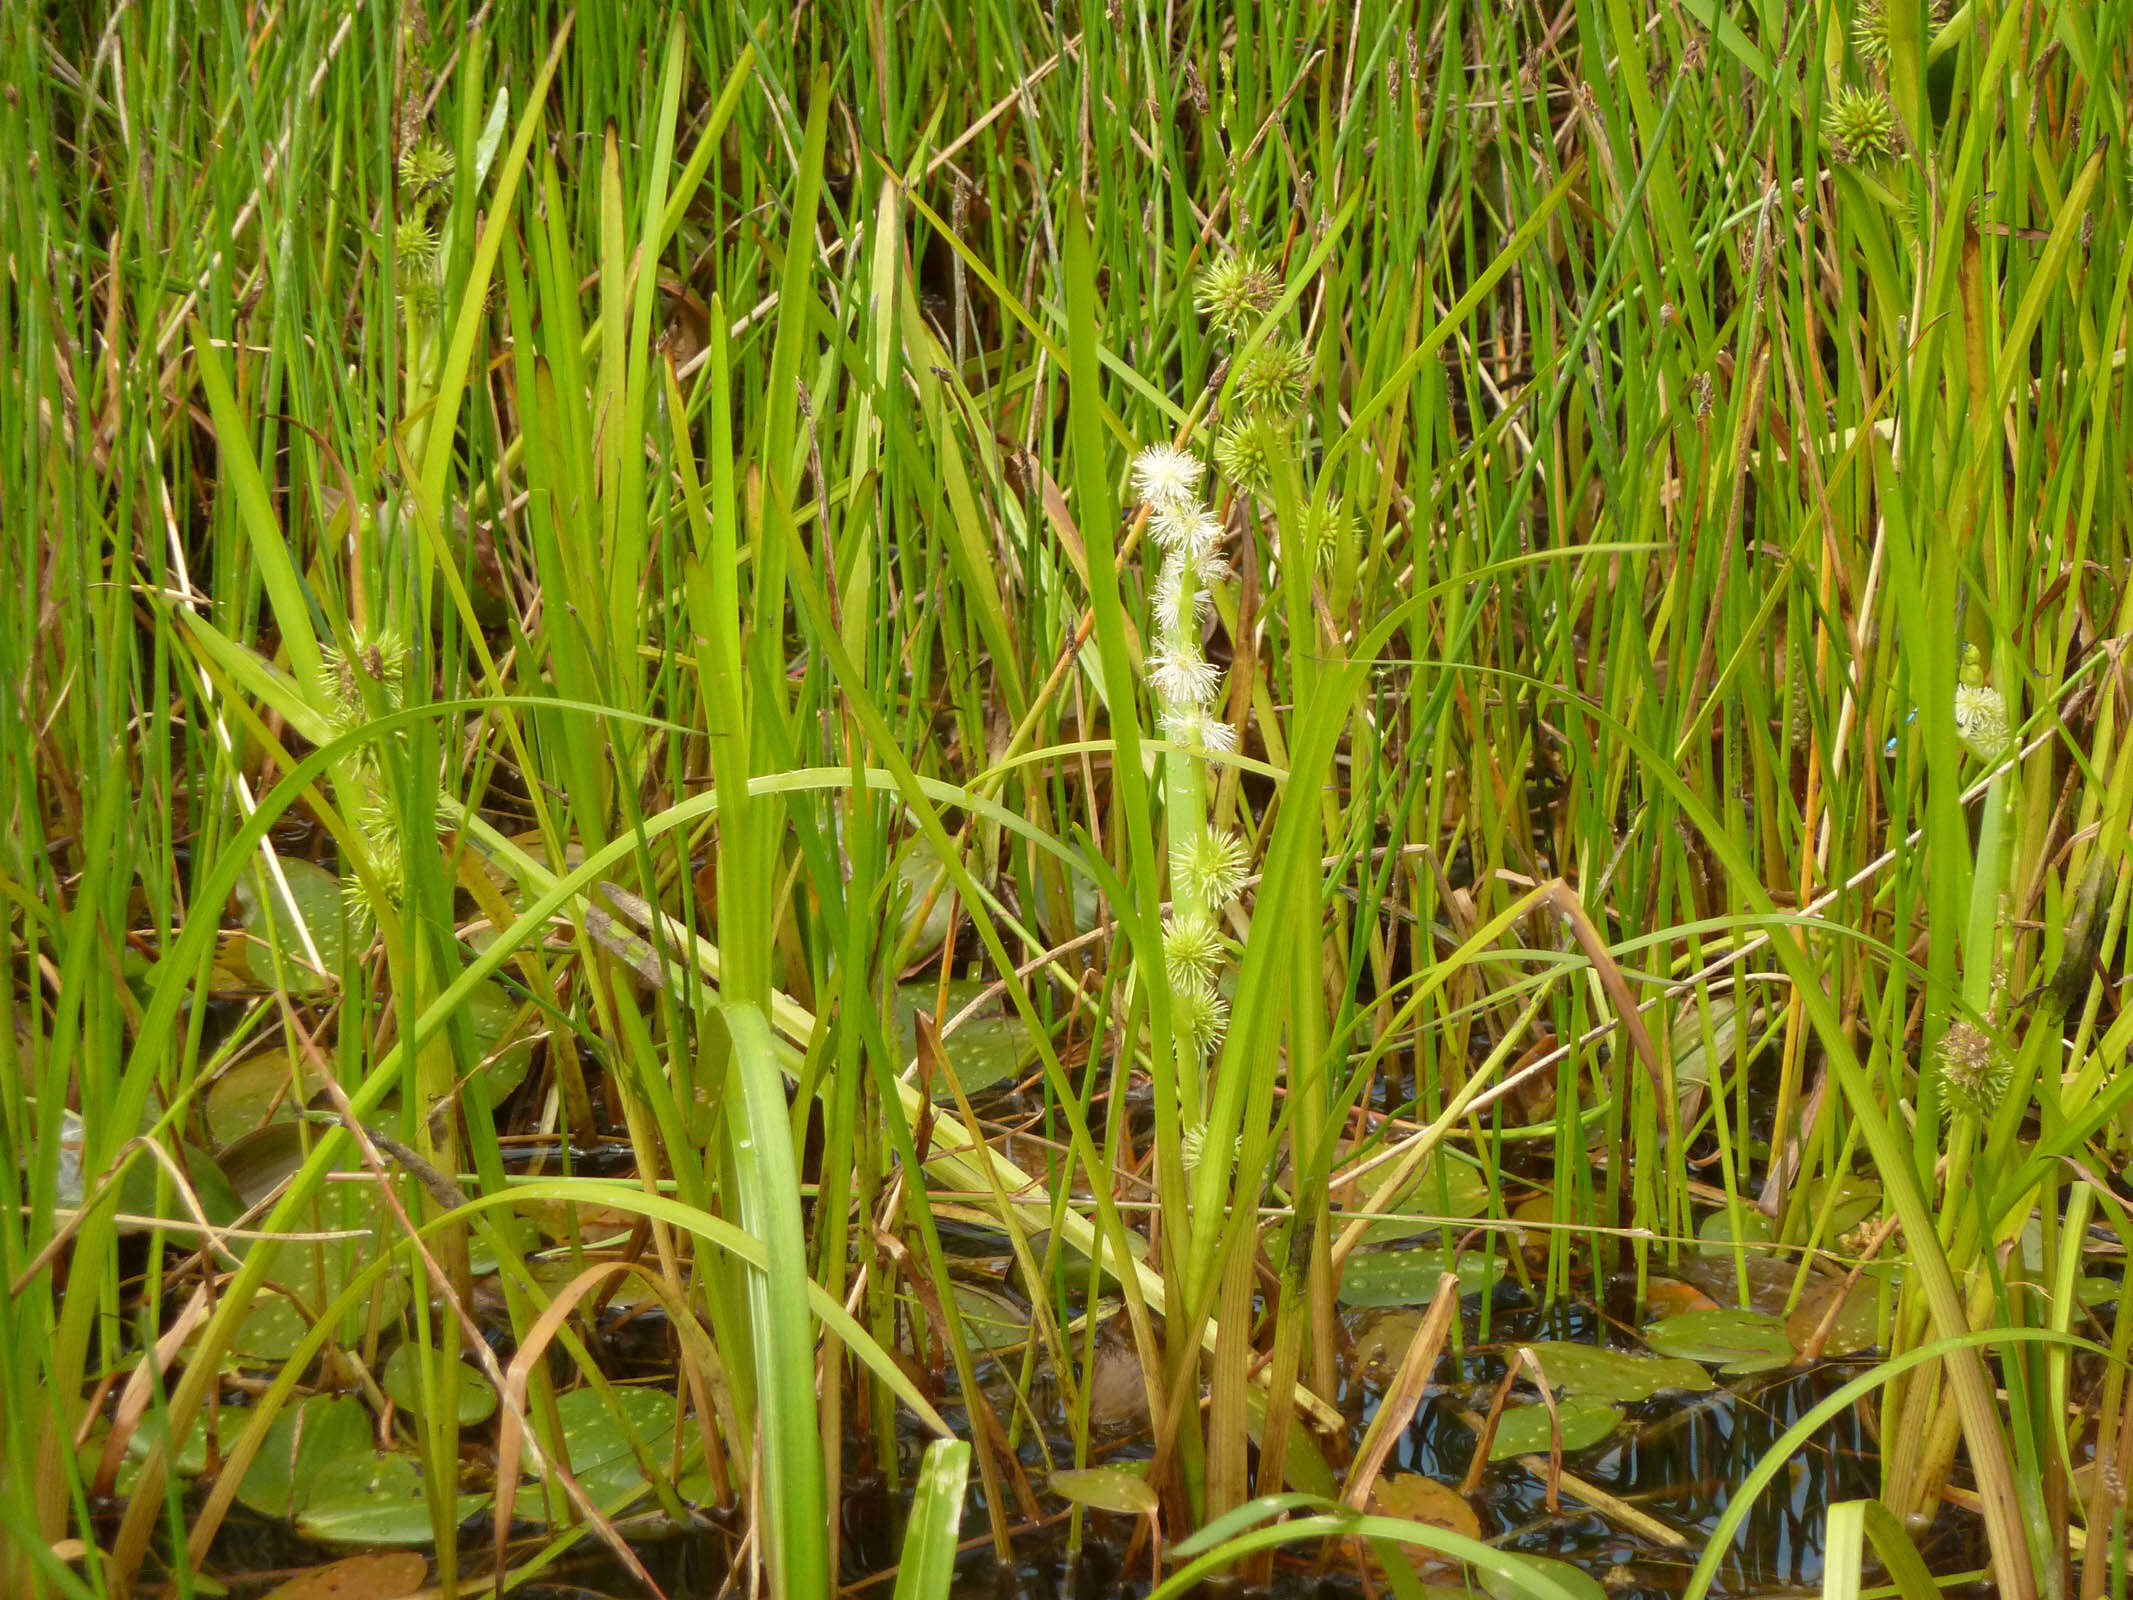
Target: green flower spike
{"points": [[1980, 711], [1973, 1074]]}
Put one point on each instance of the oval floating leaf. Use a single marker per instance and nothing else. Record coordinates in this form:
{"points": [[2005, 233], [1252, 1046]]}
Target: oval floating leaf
{"points": [[505, 1054], [1858, 1320], [1409, 1277], [1442, 1189], [1619, 1377], [403, 1381], [248, 1093], [1525, 1430], [255, 1163], [1417, 1498], [1106, 1489], [372, 1499], [1667, 1297], [1716, 1235], [277, 924], [391, 1575], [602, 1456], [302, 1441], [1737, 1342]]}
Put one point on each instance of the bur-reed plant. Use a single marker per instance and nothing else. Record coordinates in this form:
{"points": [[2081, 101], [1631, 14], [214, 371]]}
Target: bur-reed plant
{"points": [[633, 497]]}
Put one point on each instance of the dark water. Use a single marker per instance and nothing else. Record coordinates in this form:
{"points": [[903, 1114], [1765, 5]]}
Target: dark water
{"points": [[1677, 1460]]}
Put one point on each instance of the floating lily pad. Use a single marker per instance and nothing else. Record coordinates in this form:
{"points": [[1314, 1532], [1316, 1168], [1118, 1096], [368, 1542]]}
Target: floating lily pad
{"points": [[1525, 1430], [996, 1323], [985, 1051], [1666, 1297], [302, 1441], [1416, 1498], [1086, 904], [1858, 1320], [262, 1087], [1536, 1208], [188, 1461], [254, 1164], [388, 1575], [602, 1457], [921, 874], [1716, 1235], [1117, 1394], [274, 1325], [1693, 1051], [1118, 1489], [1618, 1377], [271, 1330], [503, 1040], [1851, 1199], [372, 1499], [1736, 1342], [403, 1381], [1304, 1467], [1409, 1277], [275, 924], [1442, 1189], [145, 1192], [992, 1046], [1769, 1281]]}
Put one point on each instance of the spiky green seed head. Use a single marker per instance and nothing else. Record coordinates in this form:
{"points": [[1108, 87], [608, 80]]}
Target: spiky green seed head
{"points": [[1861, 125], [1270, 380], [1246, 452], [425, 165], [1870, 34], [378, 659], [1235, 293], [1973, 1074], [414, 244], [1326, 530], [1970, 668], [1192, 946]]}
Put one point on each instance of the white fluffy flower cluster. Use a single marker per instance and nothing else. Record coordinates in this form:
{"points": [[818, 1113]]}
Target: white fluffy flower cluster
{"points": [[1206, 869], [1187, 685], [1981, 721]]}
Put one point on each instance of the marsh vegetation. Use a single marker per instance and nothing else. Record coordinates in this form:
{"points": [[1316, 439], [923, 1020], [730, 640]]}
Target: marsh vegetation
{"points": [[1064, 798]]}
